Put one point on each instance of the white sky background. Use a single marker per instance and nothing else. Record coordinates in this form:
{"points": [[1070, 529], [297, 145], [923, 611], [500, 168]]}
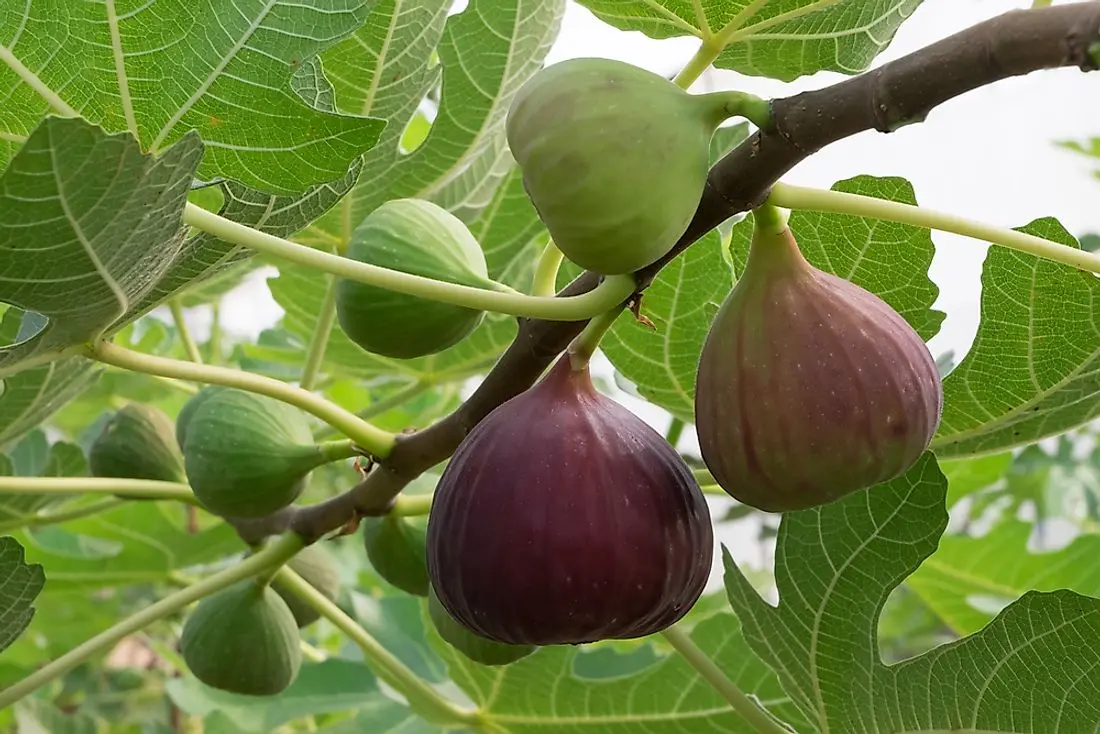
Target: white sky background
{"points": [[989, 155]]}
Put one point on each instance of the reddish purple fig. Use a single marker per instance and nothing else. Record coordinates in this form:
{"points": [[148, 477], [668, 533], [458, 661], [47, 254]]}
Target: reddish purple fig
{"points": [[809, 387], [564, 518]]}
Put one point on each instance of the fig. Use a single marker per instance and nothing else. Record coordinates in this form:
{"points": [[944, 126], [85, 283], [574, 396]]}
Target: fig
{"points": [[613, 157], [564, 518], [183, 419], [421, 238], [396, 549], [475, 647], [243, 639], [317, 568], [248, 455], [809, 387], [137, 442]]}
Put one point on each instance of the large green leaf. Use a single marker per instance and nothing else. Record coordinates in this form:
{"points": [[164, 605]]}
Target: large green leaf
{"points": [[1034, 368], [835, 566], [543, 693], [88, 223], [221, 68], [782, 39], [20, 583]]}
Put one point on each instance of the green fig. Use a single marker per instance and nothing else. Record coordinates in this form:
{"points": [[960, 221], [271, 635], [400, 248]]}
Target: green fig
{"points": [[809, 387], [614, 158], [183, 419], [137, 442], [475, 647], [248, 455], [396, 549], [421, 238], [243, 639], [317, 568]]}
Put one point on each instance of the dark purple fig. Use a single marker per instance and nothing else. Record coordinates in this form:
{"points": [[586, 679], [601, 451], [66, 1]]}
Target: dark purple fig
{"points": [[564, 518], [809, 387]]}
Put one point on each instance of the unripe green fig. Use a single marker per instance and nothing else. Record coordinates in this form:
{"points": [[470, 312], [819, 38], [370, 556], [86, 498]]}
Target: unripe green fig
{"points": [[614, 158], [248, 455], [809, 387], [420, 238], [472, 645], [137, 442], [243, 639], [396, 549], [317, 568], [183, 419]]}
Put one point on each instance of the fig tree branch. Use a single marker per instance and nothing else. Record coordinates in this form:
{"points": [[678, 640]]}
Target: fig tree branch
{"points": [[900, 92]]}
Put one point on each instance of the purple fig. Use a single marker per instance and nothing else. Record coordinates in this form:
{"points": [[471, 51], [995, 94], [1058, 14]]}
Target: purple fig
{"points": [[564, 518], [809, 387]]}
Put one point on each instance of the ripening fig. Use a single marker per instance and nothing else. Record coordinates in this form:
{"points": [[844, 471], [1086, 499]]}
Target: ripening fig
{"points": [[473, 646], [243, 639], [564, 518], [248, 455], [614, 158], [137, 442], [183, 418], [396, 549], [809, 387], [317, 568], [420, 238]]}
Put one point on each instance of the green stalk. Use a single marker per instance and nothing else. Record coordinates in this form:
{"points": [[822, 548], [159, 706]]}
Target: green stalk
{"points": [[41, 519], [544, 281], [408, 505], [374, 440], [274, 554], [387, 403], [704, 56], [338, 450], [675, 430], [770, 219], [712, 674], [319, 341], [423, 699], [613, 289], [703, 476], [189, 344], [584, 346], [138, 489], [215, 333], [838, 202]]}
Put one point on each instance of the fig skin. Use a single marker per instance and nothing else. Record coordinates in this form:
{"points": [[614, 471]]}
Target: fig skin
{"points": [[243, 639], [397, 550], [473, 646], [564, 518], [137, 442], [317, 568], [421, 238], [809, 387], [614, 158]]}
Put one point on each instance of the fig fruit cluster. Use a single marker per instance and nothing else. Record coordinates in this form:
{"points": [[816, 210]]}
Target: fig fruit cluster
{"points": [[809, 387], [564, 518]]}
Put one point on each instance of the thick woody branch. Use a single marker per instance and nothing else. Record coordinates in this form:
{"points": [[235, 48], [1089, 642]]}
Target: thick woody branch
{"points": [[899, 93]]}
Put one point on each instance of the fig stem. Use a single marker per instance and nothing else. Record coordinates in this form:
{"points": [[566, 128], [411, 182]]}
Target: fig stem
{"points": [[675, 430], [318, 342], [839, 202], [337, 450], [753, 714], [584, 346], [769, 219], [275, 554], [138, 489], [422, 698], [372, 439], [41, 519], [544, 281], [189, 345], [409, 505], [611, 291]]}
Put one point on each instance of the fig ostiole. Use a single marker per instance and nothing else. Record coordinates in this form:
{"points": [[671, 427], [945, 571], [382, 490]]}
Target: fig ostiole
{"points": [[396, 549], [475, 647], [809, 387], [421, 238], [564, 518], [248, 455], [137, 442], [614, 158], [317, 568], [243, 639]]}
